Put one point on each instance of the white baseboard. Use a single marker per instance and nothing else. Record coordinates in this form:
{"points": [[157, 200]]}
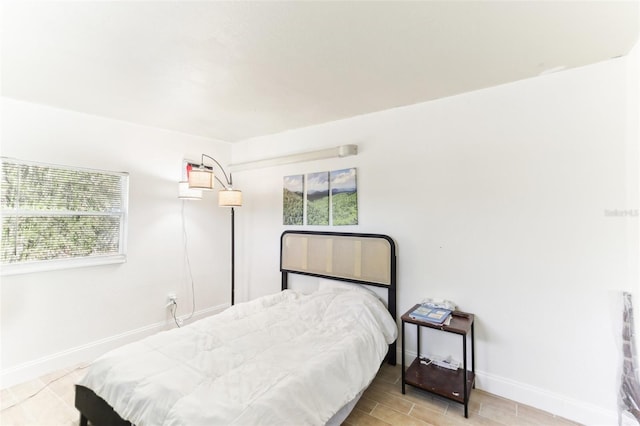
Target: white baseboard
{"points": [[551, 402], [84, 353]]}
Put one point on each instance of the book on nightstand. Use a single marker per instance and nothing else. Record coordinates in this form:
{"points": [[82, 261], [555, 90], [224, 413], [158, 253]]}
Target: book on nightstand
{"points": [[431, 314]]}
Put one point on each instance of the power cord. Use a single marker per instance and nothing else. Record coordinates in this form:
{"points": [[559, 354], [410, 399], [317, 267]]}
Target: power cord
{"points": [[185, 245], [188, 263], [174, 308]]}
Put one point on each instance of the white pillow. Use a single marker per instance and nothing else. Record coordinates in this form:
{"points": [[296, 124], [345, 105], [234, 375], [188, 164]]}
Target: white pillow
{"points": [[332, 285]]}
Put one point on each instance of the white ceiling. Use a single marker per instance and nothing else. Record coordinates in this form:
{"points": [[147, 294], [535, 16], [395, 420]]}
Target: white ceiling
{"points": [[235, 70]]}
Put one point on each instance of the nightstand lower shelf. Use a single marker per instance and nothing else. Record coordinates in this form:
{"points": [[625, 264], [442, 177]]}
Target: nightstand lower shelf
{"points": [[440, 380]]}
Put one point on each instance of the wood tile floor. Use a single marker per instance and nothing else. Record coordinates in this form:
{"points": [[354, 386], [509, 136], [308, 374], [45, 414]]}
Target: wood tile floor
{"points": [[46, 401], [382, 404]]}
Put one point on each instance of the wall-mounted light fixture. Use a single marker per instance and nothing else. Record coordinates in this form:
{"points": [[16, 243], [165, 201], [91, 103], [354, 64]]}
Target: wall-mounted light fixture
{"points": [[336, 152], [202, 178]]}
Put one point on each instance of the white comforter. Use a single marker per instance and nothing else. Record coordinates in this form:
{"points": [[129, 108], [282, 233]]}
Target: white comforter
{"points": [[282, 359]]}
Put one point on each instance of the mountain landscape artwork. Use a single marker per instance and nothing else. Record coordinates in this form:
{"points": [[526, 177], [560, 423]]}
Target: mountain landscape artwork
{"points": [[318, 198], [293, 200], [322, 198], [344, 197]]}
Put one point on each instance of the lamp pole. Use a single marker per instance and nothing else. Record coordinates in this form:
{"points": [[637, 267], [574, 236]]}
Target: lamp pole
{"points": [[233, 256]]}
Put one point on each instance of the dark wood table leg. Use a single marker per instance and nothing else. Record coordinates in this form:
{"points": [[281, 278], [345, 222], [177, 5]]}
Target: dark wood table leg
{"points": [[403, 366]]}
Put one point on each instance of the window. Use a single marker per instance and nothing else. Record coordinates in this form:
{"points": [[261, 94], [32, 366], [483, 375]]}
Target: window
{"points": [[57, 217]]}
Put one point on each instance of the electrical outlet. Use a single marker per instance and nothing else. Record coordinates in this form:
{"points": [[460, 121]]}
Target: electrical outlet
{"points": [[172, 298]]}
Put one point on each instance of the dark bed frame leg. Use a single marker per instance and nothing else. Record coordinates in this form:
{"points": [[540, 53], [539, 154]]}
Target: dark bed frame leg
{"points": [[391, 359], [95, 410]]}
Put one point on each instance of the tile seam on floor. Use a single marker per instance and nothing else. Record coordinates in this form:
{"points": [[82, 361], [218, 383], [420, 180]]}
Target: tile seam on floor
{"points": [[413, 405], [63, 401]]}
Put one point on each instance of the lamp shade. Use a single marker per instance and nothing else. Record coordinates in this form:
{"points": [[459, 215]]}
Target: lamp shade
{"points": [[186, 193], [201, 179], [230, 198]]}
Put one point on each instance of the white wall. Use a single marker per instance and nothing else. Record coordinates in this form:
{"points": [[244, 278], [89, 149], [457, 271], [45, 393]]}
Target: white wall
{"points": [[497, 201], [52, 319]]}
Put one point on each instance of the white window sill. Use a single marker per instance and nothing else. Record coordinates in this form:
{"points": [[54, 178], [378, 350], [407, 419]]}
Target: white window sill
{"points": [[54, 265]]}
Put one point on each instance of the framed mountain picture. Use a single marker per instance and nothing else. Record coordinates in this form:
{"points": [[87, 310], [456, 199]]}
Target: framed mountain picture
{"points": [[318, 198], [344, 197], [293, 200]]}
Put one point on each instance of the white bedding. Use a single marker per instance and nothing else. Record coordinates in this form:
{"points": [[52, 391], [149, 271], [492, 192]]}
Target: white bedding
{"points": [[282, 359]]}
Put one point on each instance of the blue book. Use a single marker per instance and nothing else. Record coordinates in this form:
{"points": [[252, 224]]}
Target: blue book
{"points": [[429, 314]]}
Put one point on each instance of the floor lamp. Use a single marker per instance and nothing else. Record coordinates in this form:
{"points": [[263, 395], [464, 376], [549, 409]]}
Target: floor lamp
{"points": [[203, 178]]}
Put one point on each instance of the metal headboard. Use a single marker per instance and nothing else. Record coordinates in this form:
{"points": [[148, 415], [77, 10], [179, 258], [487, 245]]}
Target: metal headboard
{"points": [[368, 259]]}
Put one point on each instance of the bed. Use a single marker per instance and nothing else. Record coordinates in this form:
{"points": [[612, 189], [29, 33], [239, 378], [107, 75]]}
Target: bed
{"points": [[292, 357]]}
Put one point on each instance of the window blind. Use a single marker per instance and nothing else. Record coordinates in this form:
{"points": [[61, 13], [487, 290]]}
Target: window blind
{"points": [[52, 212]]}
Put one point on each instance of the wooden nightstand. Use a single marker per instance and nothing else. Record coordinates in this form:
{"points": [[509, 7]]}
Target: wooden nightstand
{"points": [[455, 385]]}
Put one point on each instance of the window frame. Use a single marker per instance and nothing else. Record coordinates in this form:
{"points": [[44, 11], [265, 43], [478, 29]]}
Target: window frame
{"points": [[31, 266]]}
